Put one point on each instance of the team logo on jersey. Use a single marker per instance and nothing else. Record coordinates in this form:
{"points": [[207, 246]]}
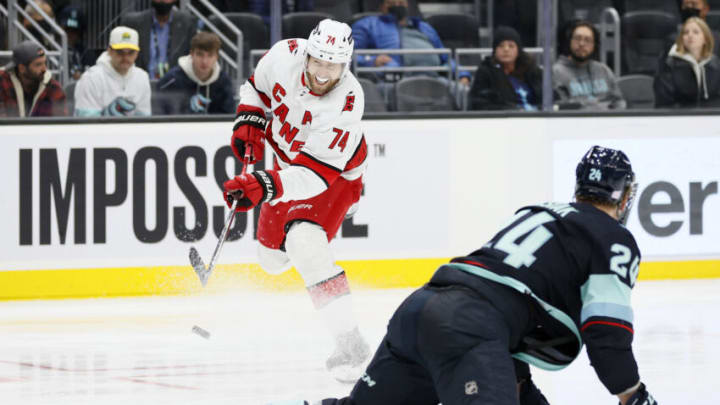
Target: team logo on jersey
{"points": [[471, 388], [349, 103], [330, 40], [369, 381], [293, 45]]}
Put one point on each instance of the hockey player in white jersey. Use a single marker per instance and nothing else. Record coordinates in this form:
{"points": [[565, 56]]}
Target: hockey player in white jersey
{"points": [[320, 157]]}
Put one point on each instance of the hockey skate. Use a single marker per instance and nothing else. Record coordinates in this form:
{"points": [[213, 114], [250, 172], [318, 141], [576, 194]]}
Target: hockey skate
{"points": [[347, 362]]}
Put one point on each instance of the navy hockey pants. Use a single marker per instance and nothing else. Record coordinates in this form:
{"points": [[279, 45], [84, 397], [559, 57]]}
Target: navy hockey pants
{"points": [[443, 344]]}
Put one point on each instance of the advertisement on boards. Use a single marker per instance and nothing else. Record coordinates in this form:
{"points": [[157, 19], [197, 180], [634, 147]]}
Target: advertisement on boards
{"points": [[676, 212], [114, 195]]}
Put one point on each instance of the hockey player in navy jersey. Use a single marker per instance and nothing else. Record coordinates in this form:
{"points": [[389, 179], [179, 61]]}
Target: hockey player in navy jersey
{"points": [[556, 277]]}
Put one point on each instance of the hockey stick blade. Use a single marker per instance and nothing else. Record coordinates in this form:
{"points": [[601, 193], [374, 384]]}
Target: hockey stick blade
{"points": [[195, 259], [197, 262], [198, 265]]}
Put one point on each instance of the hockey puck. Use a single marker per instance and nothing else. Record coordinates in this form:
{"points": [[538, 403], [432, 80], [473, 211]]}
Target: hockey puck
{"points": [[200, 331]]}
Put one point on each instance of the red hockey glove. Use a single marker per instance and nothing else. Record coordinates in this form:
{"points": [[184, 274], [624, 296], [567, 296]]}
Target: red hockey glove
{"points": [[249, 127], [252, 189]]}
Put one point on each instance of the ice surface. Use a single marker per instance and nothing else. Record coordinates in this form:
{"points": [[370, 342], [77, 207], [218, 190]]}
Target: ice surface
{"points": [[272, 346]]}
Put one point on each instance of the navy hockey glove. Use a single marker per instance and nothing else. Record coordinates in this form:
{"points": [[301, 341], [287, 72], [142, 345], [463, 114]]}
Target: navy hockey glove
{"points": [[249, 128], [199, 103], [641, 397], [252, 189], [120, 107]]}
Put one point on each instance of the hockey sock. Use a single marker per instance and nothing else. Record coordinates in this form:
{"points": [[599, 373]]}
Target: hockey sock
{"points": [[333, 300]]}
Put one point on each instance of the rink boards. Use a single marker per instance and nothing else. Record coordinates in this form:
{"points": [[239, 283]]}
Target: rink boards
{"points": [[112, 209]]}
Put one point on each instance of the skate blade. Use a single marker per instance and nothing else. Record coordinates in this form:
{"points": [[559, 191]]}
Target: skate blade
{"points": [[198, 265]]}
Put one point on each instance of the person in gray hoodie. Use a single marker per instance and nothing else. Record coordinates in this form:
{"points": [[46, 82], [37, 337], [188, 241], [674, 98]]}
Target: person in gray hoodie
{"points": [[690, 74], [197, 85], [580, 81]]}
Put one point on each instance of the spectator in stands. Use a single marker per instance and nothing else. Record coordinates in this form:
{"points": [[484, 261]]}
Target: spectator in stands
{"points": [[509, 79], [693, 8], [72, 20], [394, 30], [46, 7], [166, 33], [697, 8], [27, 88], [197, 85], [115, 86], [690, 74], [579, 81]]}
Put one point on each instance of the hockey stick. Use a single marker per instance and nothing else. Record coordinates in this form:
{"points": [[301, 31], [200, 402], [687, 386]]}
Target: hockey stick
{"points": [[195, 260]]}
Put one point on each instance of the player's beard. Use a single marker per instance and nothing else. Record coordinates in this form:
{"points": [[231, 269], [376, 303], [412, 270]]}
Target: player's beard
{"points": [[316, 87]]}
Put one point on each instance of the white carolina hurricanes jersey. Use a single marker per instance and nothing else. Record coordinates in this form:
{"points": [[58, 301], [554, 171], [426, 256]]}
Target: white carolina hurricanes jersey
{"points": [[316, 138]]}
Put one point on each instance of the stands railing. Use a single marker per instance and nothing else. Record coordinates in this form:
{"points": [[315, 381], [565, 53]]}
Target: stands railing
{"points": [[486, 31], [608, 42], [4, 18], [358, 53], [256, 54], [236, 46], [541, 31], [536, 52], [58, 54]]}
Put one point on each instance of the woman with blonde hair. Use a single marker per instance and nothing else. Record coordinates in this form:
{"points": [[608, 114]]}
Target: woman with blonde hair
{"points": [[690, 74]]}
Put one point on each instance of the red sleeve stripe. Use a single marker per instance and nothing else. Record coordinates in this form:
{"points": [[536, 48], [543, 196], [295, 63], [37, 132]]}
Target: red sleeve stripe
{"points": [[619, 325], [278, 152], [265, 99], [358, 157], [470, 262], [327, 173]]}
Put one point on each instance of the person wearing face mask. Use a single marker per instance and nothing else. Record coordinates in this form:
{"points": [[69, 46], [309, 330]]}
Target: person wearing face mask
{"points": [[690, 74], [197, 85], [166, 33], [72, 20], [394, 29], [26, 86], [580, 81], [695, 8], [509, 79], [40, 20]]}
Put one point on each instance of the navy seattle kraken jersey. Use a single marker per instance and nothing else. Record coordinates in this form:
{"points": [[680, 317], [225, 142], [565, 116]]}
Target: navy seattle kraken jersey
{"points": [[579, 266]]}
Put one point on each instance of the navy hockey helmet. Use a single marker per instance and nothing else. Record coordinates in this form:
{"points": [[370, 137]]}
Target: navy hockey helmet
{"points": [[605, 175]]}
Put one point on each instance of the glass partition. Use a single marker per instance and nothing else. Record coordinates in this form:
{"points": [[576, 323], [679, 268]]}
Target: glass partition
{"points": [[478, 56]]}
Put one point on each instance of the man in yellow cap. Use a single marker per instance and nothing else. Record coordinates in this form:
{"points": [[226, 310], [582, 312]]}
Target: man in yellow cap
{"points": [[115, 86]]}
